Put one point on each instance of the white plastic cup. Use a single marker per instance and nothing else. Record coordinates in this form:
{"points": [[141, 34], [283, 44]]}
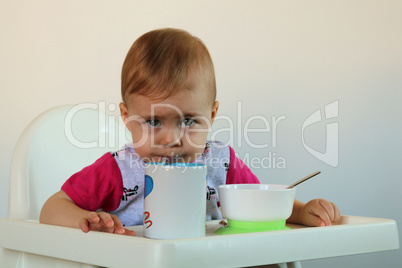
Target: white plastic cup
{"points": [[174, 200]]}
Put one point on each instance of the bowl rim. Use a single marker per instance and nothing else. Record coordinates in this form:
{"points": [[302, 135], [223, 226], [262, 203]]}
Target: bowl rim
{"points": [[230, 187]]}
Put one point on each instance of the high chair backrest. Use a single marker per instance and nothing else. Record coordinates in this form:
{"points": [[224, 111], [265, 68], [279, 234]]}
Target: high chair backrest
{"points": [[55, 145]]}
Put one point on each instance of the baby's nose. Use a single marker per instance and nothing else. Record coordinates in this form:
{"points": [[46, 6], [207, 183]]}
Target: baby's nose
{"points": [[171, 136]]}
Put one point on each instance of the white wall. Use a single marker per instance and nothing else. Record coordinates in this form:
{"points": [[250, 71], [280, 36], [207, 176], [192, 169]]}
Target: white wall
{"points": [[279, 58]]}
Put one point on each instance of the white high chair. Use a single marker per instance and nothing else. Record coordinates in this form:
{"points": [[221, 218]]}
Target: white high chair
{"points": [[58, 143], [55, 145], [63, 140]]}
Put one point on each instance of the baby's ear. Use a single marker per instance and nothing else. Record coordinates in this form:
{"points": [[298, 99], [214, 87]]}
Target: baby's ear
{"points": [[124, 112], [214, 112]]}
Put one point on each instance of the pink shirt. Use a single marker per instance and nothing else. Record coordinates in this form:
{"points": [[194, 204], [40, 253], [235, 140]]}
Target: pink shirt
{"points": [[100, 184]]}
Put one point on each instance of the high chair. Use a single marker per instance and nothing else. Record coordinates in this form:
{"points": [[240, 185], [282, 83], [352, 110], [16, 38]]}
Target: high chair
{"points": [[55, 145], [63, 140]]}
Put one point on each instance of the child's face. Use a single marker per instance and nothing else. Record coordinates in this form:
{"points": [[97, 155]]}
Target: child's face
{"points": [[175, 128]]}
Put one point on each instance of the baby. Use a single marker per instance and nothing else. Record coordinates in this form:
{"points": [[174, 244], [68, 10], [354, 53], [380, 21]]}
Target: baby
{"points": [[169, 105]]}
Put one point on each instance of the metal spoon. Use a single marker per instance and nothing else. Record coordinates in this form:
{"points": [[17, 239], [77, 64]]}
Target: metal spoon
{"points": [[303, 180]]}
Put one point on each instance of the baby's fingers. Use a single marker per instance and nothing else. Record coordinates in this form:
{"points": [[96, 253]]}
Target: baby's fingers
{"points": [[92, 217], [129, 232], [329, 211], [315, 214], [321, 213], [106, 220], [332, 210], [103, 222], [96, 221], [118, 226], [337, 213], [314, 220], [86, 222], [84, 225]]}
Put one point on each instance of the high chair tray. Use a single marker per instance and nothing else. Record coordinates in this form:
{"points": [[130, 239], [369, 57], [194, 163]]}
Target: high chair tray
{"points": [[352, 235]]}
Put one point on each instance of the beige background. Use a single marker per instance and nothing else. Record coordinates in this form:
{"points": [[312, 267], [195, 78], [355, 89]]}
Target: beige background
{"points": [[272, 58]]}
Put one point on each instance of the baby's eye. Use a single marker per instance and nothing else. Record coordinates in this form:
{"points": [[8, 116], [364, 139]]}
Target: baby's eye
{"points": [[153, 123], [187, 122]]}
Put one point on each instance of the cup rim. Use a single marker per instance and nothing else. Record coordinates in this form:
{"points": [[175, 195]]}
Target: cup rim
{"points": [[176, 164]]}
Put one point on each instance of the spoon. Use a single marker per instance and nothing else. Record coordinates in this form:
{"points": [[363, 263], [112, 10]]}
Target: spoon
{"points": [[303, 180]]}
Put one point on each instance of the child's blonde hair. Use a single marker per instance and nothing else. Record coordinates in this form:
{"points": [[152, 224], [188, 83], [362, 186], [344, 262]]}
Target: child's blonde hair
{"points": [[162, 62]]}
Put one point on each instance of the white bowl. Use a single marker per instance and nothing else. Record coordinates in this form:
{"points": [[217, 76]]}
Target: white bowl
{"points": [[256, 202]]}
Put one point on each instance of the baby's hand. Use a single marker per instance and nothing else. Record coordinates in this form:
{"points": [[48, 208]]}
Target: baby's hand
{"points": [[103, 222], [319, 212]]}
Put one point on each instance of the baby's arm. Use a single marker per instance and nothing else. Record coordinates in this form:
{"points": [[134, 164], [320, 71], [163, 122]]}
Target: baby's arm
{"points": [[317, 212], [59, 209]]}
